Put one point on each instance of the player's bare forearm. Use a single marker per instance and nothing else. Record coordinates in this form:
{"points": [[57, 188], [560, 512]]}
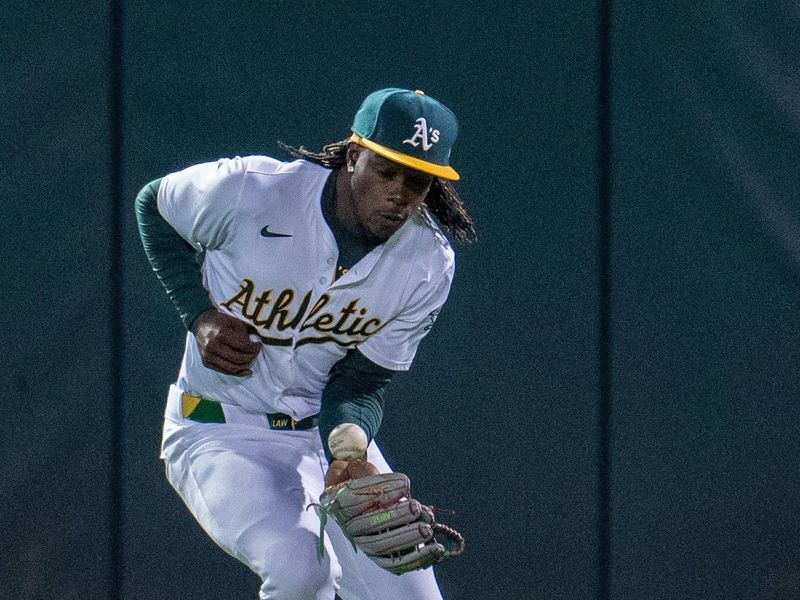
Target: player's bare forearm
{"points": [[224, 343]]}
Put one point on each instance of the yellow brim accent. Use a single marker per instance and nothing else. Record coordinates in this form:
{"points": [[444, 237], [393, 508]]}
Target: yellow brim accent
{"points": [[444, 172]]}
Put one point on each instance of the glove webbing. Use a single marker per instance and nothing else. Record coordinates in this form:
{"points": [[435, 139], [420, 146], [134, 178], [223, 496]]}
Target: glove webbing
{"points": [[453, 536]]}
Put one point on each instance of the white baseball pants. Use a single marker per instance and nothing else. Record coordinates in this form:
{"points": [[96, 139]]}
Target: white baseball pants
{"points": [[248, 486]]}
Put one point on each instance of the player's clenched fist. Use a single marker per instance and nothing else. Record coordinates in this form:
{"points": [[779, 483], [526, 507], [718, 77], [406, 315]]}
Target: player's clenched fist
{"points": [[224, 343]]}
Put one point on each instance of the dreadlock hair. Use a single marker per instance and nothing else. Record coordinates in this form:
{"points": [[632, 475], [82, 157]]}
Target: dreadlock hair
{"points": [[442, 200]]}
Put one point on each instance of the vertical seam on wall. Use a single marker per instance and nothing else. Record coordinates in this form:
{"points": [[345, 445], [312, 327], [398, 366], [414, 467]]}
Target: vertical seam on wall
{"points": [[116, 309], [604, 337]]}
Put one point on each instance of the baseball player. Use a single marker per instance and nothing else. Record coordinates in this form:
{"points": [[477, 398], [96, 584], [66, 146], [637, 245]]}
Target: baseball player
{"points": [[304, 286]]}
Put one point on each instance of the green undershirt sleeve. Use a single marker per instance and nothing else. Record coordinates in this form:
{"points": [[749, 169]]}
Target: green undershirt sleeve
{"points": [[173, 259], [354, 394]]}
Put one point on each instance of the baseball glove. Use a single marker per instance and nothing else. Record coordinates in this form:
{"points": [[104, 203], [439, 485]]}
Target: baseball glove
{"points": [[379, 516]]}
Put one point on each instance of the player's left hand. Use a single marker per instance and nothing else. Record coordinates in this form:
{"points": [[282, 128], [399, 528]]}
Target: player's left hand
{"points": [[378, 514], [340, 471]]}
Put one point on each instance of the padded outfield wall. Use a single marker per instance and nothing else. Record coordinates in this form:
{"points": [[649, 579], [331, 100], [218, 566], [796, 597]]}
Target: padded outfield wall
{"points": [[674, 320]]}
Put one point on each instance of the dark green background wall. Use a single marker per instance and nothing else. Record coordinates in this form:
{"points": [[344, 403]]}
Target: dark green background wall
{"points": [[500, 417]]}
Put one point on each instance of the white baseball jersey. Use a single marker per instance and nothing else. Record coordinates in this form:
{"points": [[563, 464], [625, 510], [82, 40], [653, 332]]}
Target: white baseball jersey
{"points": [[270, 259]]}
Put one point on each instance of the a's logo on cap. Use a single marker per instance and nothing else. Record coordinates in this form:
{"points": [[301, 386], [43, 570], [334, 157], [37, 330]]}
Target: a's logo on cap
{"points": [[421, 132]]}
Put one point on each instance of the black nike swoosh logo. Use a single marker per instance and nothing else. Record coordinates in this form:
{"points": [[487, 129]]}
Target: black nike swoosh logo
{"points": [[267, 233]]}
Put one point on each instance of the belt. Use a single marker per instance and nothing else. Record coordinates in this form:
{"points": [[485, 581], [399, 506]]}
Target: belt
{"points": [[203, 410]]}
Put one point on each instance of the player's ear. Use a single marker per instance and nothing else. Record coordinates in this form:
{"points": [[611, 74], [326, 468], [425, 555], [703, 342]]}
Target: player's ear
{"points": [[353, 151]]}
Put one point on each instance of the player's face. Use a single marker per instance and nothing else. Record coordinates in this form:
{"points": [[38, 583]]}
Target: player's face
{"points": [[385, 194]]}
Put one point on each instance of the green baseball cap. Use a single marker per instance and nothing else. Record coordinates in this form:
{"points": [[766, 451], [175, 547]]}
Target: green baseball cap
{"points": [[408, 127]]}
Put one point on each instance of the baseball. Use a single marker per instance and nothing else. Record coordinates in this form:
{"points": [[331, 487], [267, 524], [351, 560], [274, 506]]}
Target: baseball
{"points": [[347, 442]]}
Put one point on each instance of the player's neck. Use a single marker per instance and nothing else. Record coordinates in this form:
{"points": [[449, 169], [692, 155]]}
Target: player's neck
{"points": [[343, 207]]}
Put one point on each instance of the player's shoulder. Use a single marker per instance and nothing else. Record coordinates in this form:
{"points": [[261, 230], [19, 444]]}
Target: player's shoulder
{"points": [[428, 244], [266, 165], [256, 163], [430, 233], [268, 178]]}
